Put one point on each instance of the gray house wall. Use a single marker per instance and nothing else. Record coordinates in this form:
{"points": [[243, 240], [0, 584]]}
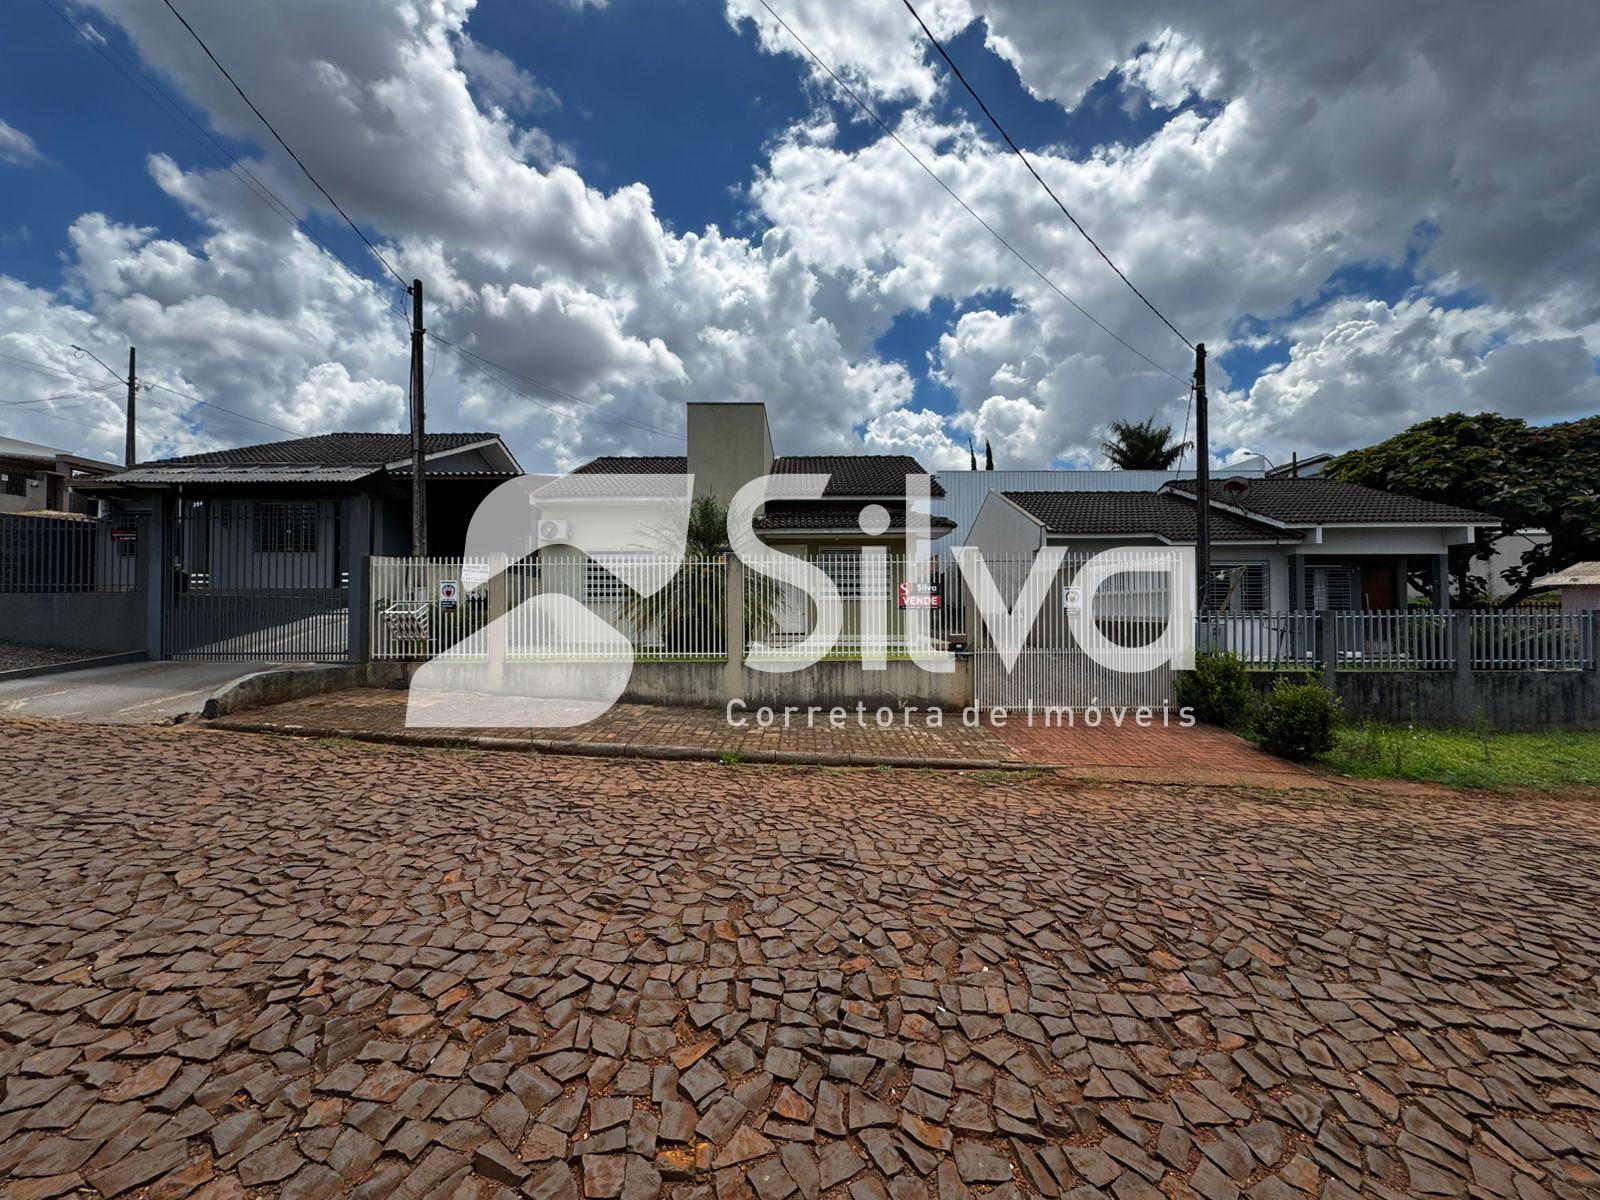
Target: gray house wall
{"points": [[729, 445]]}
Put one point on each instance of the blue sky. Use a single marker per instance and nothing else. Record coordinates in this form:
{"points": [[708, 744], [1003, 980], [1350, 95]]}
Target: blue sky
{"points": [[679, 117]]}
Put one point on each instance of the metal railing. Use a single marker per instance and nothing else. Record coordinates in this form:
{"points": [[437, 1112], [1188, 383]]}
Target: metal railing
{"points": [[1529, 640], [889, 606], [674, 609], [1393, 641], [1265, 641], [68, 554], [1410, 640]]}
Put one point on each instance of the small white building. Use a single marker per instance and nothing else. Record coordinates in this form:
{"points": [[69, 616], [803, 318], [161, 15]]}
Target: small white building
{"points": [[1579, 584]]}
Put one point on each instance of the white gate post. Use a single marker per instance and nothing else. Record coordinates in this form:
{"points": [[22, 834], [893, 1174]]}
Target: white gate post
{"points": [[733, 628]]}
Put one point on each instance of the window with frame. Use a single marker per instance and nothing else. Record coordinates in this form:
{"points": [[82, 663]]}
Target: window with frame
{"points": [[1331, 587], [1237, 587], [285, 528], [16, 483], [599, 584], [844, 568]]}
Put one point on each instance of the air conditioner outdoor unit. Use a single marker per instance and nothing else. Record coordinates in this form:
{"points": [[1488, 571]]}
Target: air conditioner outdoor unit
{"points": [[555, 531]]}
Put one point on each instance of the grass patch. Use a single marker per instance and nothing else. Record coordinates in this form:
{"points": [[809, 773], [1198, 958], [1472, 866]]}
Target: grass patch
{"points": [[729, 758], [1468, 758]]}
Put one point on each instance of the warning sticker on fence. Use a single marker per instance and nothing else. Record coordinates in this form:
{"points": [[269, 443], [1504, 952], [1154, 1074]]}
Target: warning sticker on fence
{"points": [[449, 593], [1072, 598]]}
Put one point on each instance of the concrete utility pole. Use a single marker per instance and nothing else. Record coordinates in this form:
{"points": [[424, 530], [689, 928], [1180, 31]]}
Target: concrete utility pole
{"points": [[1202, 478], [130, 453], [419, 492]]}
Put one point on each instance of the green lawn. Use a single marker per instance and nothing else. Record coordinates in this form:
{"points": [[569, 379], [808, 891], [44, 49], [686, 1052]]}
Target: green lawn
{"points": [[1469, 758]]}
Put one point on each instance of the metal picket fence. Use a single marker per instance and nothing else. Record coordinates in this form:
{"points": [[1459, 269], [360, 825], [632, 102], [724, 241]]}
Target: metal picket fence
{"points": [[1530, 640], [1407, 640], [670, 609], [1391, 641], [1265, 641], [891, 605], [68, 554]]}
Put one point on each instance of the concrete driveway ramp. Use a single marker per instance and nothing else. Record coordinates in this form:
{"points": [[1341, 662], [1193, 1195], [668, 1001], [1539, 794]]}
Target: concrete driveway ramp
{"points": [[139, 693]]}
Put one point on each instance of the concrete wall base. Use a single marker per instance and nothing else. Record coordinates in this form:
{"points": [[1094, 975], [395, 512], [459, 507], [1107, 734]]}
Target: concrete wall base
{"points": [[1504, 700], [692, 684]]}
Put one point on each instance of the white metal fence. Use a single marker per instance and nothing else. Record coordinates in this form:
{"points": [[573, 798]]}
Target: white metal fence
{"points": [[891, 606], [68, 554], [1267, 641], [1052, 669], [426, 608], [675, 611]]}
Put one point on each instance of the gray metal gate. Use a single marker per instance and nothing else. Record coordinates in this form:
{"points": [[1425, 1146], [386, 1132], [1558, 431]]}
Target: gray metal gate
{"points": [[1052, 670], [258, 579]]}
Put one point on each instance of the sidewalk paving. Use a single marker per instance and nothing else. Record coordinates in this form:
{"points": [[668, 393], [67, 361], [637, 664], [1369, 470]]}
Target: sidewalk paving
{"points": [[1155, 755]]}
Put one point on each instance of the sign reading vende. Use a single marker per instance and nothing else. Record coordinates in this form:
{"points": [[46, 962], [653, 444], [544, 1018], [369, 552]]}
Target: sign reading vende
{"points": [[927, 594]]}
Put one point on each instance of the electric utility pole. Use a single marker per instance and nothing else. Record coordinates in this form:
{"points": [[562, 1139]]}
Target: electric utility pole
{"points": [[130, 453], [419, 492], [1202, 480]]}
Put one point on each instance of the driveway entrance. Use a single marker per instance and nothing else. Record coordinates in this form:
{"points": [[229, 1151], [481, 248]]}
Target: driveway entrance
{"points": [[132, 694], [1053, 668], [258, 580]]}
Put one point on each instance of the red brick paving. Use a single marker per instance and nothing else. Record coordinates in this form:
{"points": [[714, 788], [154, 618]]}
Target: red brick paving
{"points": [[233, 964], [1158, 753]]}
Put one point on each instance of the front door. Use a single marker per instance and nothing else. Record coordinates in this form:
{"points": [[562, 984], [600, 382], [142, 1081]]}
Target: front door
{"points": [[1379, 590]]}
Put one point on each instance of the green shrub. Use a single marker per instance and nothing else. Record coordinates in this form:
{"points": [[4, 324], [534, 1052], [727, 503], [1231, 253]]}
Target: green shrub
{"points": [[1297, 719], [1218, 689]]}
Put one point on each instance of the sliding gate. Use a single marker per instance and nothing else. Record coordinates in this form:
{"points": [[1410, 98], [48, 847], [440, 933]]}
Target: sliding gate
{"points": [[258, 580], [1053, 670]]}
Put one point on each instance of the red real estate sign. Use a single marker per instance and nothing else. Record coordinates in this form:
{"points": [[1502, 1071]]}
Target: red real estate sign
{"points": [[928, 594]]}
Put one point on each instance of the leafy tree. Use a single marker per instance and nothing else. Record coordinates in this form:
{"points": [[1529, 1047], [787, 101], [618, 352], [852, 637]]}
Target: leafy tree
{"points": [[1143, 446], [1529, 476]]}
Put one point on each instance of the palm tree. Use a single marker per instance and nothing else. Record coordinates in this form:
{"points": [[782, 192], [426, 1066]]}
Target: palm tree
{"points": [[686, 612], [1143, 446]]}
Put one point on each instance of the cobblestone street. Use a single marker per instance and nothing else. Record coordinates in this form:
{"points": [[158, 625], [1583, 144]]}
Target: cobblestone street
{"points": [[237, 964]]}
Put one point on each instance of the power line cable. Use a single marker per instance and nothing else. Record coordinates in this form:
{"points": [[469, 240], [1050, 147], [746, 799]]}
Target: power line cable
{"points": [[261, 191], [152, 89], [147, 385], [1017, 150], [307, 170], [61, 396], [1183, 451], [973, 213]]}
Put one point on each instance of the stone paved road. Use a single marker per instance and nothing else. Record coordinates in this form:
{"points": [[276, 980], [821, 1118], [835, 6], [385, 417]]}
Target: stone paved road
{"points": [[232, 964]]}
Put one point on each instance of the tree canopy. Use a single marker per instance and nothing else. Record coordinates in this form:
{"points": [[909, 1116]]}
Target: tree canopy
{"points": [[1530, 476], [1143, 446]]}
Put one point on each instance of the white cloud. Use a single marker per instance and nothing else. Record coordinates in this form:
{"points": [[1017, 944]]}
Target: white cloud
{"points": [[1328, 136], [1337, 135], [501, 81], [17, 147]]}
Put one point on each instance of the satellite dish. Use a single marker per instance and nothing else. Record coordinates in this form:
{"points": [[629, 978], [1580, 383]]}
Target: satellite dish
{"points": [[1235, 489]]}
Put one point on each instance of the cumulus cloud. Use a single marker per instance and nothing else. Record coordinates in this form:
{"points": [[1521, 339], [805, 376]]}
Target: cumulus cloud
{"points": [[1328, 137], [1331, 136], [16, 147]]}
